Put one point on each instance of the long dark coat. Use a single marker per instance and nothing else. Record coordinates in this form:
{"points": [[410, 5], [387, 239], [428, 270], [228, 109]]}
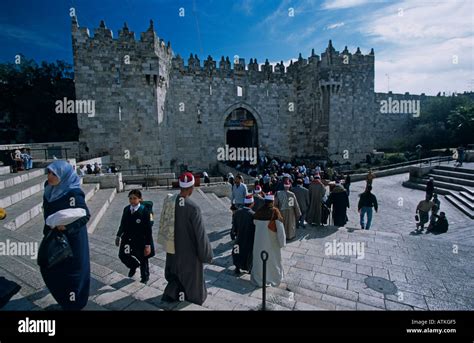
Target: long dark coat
{"points": [[69, 281]]}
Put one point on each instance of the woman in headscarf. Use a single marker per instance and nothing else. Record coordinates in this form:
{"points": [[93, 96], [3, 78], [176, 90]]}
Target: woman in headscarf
{"points": [[69, 280], [269, 237]]}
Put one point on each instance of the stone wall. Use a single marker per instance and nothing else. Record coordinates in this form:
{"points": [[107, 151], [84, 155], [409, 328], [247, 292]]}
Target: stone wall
{"points": [[153, 108], [391, 125], [128, 81]]}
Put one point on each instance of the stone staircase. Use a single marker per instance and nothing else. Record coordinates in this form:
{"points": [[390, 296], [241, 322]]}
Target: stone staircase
{"points": [[456, 184], [111, 289], [313, 280]]}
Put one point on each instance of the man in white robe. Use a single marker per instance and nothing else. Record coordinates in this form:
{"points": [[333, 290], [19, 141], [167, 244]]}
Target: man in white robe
{"points": [[269, 239]]}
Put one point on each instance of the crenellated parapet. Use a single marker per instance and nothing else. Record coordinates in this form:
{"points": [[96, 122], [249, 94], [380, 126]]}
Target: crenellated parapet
{"points": [[330, 59], [103, 38]]}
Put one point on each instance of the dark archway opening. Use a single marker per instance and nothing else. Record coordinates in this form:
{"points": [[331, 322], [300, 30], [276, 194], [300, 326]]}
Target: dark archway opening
{"points": [[241, 129]]}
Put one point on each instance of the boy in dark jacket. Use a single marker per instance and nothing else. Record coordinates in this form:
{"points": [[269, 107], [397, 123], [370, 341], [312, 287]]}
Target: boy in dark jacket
{"points": [[367, 201], [135, 236]]}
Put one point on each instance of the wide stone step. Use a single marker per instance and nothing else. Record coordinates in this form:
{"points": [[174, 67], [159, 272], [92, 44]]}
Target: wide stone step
{"points": [[25, 210], [456, 169], [204, 197], [455, 174], [447, 186], [98, 205], [422, 187], [130, 287], [460, 206], [220, 204], [224, 290], [4, 170], [463, 200], [19, 192], [9, 180], [453, 180], [468, 196], [35, 296]]}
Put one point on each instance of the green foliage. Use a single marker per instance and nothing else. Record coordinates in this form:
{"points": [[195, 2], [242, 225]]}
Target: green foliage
{"points": [[28, 93], [444, 122], [396, 158], [461, 122]]}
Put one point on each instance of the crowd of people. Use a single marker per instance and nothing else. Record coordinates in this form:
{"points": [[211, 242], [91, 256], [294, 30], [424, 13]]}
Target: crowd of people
{"points": [[306, 195], [267, 218], [95, 169]]}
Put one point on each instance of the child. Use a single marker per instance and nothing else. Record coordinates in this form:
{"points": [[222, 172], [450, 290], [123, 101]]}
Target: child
{"points": [[135, 236]]}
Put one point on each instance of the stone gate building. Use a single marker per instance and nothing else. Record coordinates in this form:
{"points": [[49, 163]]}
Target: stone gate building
{"points": [[153, 108]]}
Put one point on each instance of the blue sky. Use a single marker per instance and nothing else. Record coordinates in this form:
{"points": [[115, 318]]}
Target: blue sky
{"points": [[420, 46]]}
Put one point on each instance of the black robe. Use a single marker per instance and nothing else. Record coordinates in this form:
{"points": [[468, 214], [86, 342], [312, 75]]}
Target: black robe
{"points": [[339, 201], [243, 233], [184, 269], [258, 203], [69, 281]]}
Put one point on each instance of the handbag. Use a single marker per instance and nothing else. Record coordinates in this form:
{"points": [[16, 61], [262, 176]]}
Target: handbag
{"points": [[54, 249], [272, 225]]}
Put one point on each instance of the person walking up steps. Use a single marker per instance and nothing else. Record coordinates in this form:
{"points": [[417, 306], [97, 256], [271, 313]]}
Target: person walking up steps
{"points": [[135, 236], [184, 269]]}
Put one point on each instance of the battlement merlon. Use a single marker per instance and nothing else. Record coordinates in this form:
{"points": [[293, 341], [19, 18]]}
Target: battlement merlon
{"points": [[329, 58], [104, 36]]}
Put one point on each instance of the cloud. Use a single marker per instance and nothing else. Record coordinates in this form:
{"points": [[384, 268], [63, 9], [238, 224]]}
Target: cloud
{"points": [[244, 6], [338, 4], [415, 46], [28, 37], [334, 26], [298, 37]]}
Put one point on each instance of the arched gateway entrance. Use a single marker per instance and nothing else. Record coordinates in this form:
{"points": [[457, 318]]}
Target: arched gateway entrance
{"points": [[241, 129]]}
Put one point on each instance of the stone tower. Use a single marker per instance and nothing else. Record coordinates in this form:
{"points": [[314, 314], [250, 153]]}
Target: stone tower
{"points": [[128, 80], [153, 108]]}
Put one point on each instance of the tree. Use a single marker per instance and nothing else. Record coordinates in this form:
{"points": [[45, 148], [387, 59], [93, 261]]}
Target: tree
{"points": [[461, 121], [28, 93]]}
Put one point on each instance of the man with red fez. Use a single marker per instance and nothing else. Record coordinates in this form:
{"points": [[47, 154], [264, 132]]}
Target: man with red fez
{"points": [[316, 194], [258, 198], [287, 203], [242, 233], [184, 269], [302, 195], [269, 237]]}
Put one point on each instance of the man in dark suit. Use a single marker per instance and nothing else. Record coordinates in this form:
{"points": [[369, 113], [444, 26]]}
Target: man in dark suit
{"points": [[302, 196]]}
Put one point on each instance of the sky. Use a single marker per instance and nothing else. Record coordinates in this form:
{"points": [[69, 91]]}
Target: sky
{"points": [[421, 46]]}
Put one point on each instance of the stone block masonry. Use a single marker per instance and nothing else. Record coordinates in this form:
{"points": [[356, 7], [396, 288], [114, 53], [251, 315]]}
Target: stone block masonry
{"points": [[153, 109]]}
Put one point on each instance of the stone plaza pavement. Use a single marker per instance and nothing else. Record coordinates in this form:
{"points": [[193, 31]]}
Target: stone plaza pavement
{"points": [[397, 206], [424, 272]]}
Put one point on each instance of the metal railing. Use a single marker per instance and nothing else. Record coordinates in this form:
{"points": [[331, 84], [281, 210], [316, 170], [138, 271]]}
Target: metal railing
{"points": [[430, 161], [50, 153]]}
